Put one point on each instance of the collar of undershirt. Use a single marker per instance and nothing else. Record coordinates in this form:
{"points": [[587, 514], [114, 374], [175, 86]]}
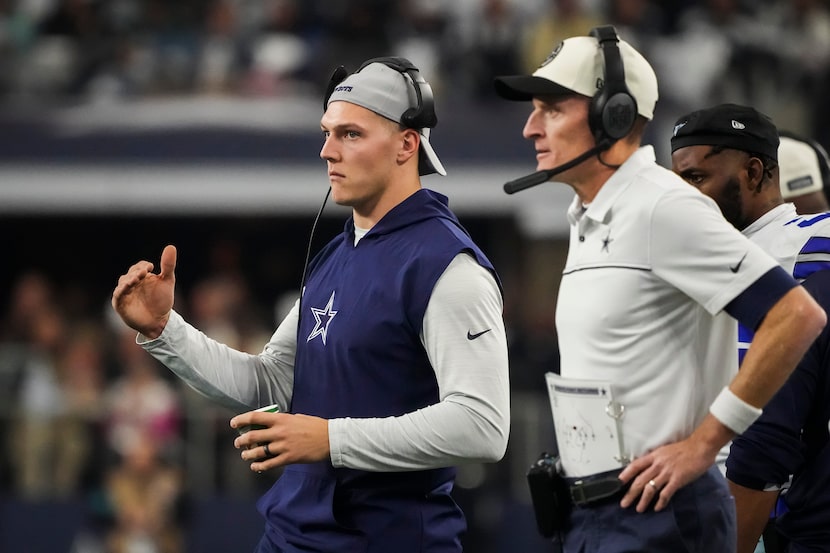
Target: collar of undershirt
{"points": [[359, 233]]}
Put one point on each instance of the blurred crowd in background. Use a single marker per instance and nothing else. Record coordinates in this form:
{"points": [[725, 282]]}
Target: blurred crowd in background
{"points": [[95, 51], [87, 417], [94, 422]]}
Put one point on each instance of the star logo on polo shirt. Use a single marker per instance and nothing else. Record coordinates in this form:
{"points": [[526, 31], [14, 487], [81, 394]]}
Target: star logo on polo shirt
{"points": [[323, 319], [605, 241]]}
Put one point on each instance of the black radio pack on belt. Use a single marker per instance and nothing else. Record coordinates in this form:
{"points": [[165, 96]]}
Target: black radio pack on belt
{"points": [[550, 495], [554, 495]]}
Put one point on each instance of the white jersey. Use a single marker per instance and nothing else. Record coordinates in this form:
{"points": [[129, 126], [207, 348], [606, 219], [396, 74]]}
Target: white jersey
{"points": [[651, 265], [800, 244]]}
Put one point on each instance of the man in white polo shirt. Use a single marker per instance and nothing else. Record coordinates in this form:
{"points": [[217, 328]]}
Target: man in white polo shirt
{"points": [[652, 276]]}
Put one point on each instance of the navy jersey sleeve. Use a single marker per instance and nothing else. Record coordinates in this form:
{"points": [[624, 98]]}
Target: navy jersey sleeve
{"points": [[775, 446], [751, 306]]}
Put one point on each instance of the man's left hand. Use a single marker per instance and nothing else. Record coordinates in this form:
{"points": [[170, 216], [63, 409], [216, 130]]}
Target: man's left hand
{"points": [[663, 471], [286, 439]]}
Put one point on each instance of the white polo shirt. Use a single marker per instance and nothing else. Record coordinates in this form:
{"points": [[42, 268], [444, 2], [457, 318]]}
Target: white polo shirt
{"points": [[651, 265]]}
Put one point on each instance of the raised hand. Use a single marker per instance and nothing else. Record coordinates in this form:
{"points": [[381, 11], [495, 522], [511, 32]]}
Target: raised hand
{"points": [[144, 299]]}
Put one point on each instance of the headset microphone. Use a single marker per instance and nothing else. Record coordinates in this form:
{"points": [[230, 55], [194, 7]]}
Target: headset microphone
{"points": [[523, 183]]}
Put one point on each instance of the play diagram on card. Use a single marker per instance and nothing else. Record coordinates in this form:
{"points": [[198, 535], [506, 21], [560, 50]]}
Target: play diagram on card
{"points": [[586, 420]]}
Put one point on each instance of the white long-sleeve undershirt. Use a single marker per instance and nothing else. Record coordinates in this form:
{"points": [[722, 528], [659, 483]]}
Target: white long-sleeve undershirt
{"points": [[470, 423]]}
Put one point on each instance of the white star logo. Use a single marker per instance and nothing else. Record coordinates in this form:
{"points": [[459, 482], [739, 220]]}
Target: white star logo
{"points": [[323, 318]]}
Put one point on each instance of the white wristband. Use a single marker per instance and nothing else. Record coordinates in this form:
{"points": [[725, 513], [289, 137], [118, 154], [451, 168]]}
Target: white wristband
{"points": [[733, 412]]}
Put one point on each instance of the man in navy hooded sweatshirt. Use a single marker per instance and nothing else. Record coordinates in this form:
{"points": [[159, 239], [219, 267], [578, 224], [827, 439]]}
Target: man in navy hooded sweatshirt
{"points": [[390, 369]]}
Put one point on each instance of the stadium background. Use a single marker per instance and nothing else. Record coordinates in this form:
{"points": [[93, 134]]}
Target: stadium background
{"points": [[129, 124]]}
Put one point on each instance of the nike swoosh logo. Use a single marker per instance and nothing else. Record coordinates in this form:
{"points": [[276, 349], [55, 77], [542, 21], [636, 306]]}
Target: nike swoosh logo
{"points": [[738, 266], [471, 336]]}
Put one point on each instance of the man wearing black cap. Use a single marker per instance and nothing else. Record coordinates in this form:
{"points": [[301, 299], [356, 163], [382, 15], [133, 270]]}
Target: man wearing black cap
{"points": [[652, 276], [730, 153], [392, 366]]}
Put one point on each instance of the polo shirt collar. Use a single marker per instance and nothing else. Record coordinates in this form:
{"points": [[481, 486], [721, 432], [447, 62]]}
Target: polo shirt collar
{"points": [[611, 189]]}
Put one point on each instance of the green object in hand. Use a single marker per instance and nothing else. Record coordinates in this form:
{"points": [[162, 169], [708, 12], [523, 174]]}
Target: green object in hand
{"points": [[248, 427]]}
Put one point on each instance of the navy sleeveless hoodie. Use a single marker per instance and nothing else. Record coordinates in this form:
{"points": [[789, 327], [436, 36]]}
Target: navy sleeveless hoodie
{"points": [[359, 355]]}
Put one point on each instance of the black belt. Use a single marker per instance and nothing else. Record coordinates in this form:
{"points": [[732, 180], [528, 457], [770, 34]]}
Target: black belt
{"points": [[588, 491]]}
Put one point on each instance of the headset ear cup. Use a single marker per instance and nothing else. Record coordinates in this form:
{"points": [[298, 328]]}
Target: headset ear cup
{"points": [[422, 115], [411, 118], [618, 115], [611, 118]]}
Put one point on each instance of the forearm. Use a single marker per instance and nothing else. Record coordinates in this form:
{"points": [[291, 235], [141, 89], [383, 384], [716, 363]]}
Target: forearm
{"points": [[444, 434], [753, 509], [779, 344], [710, 437], [234, 379]]}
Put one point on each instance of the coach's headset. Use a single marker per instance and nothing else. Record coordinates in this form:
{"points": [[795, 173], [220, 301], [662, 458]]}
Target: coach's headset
{"points": [[611, 114], [419, 117], [613, 109]]}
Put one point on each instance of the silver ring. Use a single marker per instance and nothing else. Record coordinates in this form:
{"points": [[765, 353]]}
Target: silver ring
{"points": [[267, 451], [653, 484]]}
